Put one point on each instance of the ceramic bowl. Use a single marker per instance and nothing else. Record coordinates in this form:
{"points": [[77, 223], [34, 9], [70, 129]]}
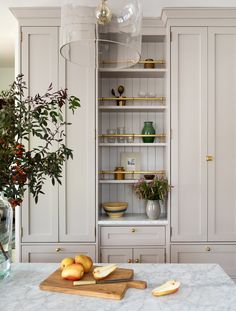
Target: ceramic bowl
{"points": [[115, 209]]}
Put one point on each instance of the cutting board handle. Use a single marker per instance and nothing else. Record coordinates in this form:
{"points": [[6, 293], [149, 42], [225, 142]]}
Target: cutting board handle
{"points": [[137, 284]]}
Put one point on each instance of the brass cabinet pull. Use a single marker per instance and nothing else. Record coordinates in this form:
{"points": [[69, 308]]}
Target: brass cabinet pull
{"points": [[208, 249], [209, 158], [129, 260], [136, 260], [133, 230], [58, 249]]}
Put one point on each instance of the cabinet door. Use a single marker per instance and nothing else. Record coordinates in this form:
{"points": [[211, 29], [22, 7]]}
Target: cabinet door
{"points": [[77, 195], [54, 252], [116, 255], [222, 134], [39, 64], [148, 255], [224, 255], [189, 133]]}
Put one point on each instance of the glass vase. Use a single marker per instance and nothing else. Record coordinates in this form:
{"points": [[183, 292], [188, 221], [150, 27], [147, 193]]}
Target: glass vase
{"points": [[6, 219], [148, 129]]}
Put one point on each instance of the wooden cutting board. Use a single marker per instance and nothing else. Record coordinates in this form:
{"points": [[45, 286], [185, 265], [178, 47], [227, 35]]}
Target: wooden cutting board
{"points": [[55, 283]]}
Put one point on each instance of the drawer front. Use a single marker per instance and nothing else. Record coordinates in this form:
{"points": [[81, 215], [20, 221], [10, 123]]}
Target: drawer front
{"points": [[149, 255], [224, 255], [132, 236], [116, 255], [54, 252]]}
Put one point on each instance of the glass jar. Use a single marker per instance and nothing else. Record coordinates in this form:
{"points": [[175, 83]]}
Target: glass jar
{"points": [[6, 219], [111, 139], [148, 129], [121, 130], [120, 175]]}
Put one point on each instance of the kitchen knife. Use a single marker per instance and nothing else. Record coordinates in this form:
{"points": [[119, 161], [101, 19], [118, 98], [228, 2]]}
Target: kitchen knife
{"points": [[91, 282]]}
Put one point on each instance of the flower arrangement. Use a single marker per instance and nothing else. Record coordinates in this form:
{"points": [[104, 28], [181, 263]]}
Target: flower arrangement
{"points": [[157, 189], [23, 166]]}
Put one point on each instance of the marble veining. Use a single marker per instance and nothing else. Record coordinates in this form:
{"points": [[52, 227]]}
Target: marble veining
{"points": [[203, 287]]}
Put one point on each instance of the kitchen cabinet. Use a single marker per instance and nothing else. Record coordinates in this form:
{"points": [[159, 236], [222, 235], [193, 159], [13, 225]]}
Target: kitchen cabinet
{"points": [[65, 213], [133, 255], [203, 208], [224, 255], [54, 252], [203, 144]]}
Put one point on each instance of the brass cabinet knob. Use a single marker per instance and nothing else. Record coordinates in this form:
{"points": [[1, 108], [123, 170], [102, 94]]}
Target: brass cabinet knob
{"points": [[129, 260], [58, 249], [209, 158], [208, 249], [136, 260], [133, 230]]}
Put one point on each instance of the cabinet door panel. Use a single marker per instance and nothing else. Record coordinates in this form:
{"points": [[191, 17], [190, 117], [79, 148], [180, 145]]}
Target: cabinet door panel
{"points": [[116, 255], [50, 253], [189, 127], [77, 195], [224, 255], [222, 134], [39, 64], [149, 255]]}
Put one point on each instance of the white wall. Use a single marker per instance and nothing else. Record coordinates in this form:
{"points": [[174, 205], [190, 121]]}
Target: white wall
{"points": [[7, 76]]}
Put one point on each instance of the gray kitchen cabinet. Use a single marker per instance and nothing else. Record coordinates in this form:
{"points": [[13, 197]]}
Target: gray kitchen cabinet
{"points": [[55, 252], [133, 255], [203, 200], [65, 213], [224, 255], [138, 235]]}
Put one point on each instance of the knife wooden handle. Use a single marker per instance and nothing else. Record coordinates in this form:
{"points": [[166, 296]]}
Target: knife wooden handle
{"points": [[84, 282], [137, 284]]}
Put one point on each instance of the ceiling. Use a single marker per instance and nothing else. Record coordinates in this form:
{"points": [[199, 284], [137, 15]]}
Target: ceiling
{"points": [[8, 24]]}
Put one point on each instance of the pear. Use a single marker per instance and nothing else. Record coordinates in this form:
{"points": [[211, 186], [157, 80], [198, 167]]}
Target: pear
{"points": [[85, 261], [73, 272], [66, 262], [101, 273], [167, 288]]}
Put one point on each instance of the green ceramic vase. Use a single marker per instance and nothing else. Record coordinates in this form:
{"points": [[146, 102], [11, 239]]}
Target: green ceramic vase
{"points": [[148, 129]]}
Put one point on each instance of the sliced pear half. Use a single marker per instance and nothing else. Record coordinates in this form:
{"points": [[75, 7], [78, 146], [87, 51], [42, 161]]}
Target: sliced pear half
{"points": [[167, 288], [100, 273]]}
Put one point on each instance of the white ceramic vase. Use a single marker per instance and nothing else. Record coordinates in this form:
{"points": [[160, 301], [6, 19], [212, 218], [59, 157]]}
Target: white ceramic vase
{"points": [[153, 209]]}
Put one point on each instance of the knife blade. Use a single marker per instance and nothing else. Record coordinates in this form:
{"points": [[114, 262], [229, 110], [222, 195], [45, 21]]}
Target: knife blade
{"points": [[78, 283]]}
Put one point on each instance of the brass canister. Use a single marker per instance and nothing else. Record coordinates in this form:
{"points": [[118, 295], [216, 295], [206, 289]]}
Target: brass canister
{"points": [[149, 65], [119, 175]]}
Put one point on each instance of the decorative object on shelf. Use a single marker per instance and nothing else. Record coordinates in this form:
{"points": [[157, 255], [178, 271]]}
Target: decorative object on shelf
{"points": [[153, 191], [153, 209], [131, 162], [149, 63], [6, 221], [121, 130], [148, 129], [120, 99], [130, 139], [111, 139], [21, 117], [115, 27], [118, 173], [115, 209], [149, 177]]}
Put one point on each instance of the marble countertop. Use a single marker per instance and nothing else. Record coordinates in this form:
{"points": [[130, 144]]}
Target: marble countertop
{"points": [[203, 287]]}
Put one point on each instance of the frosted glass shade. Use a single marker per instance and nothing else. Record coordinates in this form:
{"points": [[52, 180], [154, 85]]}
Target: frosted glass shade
{"points": [[116, 44]]}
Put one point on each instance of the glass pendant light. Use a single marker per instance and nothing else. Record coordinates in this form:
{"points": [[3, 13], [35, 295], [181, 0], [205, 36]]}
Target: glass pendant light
{"points": [[101, 33]]}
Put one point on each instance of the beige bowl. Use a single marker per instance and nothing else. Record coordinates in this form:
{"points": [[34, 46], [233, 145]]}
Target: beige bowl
{"points": [[115, 209]]}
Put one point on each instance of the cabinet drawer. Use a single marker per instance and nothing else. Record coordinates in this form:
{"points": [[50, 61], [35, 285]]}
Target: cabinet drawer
{"points": [[132, 236], [54, 252], [224, 255]]}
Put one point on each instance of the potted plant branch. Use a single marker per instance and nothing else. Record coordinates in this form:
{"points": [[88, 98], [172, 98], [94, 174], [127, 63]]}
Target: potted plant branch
{"points": [[153, 192], [22, 168]]}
